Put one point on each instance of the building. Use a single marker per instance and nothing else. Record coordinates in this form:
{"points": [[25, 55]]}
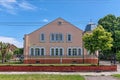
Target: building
{"points": [[90, 27], [57, 42]]}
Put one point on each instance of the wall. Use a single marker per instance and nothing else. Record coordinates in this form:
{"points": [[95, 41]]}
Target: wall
{"points": [[59, 68], [58, 61]]}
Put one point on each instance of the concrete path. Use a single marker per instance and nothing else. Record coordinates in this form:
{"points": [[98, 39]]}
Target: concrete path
{"points": [[100, 78], [103, 75]]}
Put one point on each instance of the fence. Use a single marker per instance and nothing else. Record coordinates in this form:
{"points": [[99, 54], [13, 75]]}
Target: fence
{"points": [[87, 59]]}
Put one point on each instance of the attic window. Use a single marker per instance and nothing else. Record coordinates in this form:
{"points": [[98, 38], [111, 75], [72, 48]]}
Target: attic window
{"points": [[59, 22]]}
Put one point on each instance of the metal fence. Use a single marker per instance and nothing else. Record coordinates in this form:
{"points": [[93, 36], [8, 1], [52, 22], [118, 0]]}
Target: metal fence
{"points": [[19, 59]]}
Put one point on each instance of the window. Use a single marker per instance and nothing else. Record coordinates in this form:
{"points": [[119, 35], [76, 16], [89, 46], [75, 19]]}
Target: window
{"points": [[42, 51], [60, 37], [56, 37], [42, 37], [32, 52], [61, 51], [52, 37], [59, 22], [56, 51], [79, 51], [52, 52], [37, 51], [74, 51], [69, 38], [69, 52]]}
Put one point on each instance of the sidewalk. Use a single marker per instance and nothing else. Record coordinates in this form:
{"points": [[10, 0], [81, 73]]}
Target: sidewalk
{"points": [[100, 78]]}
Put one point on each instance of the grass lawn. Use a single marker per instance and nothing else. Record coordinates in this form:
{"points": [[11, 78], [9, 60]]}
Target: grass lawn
{"points": [[116, 75], [46, 64], [39, 77]]}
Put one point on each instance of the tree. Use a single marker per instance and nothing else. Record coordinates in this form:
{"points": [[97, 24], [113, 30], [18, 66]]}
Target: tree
{"points": [[111, 23], [118, 56], [9, 55], [18, 51], [4, 49], [98, 40]]}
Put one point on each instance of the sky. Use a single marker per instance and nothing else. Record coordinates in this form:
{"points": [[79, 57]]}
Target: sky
{"points": [[20, 17]]}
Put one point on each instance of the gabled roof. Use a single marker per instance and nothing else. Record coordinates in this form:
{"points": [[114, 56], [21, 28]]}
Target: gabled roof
{"points": [[61, 21]]}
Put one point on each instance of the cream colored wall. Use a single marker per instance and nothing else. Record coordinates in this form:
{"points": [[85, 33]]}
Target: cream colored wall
{"points": [[33, 39]]}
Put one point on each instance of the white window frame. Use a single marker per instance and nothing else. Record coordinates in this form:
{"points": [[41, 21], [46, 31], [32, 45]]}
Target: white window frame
{"points": [[44, 51], [68, 51], [53, 37], [81, 51], [56, 37], [68, 36], [51, 51], [77, 48], [62, 51], [33, 51], [41, 37], [39, 49], [76, 51], [55, 51]]}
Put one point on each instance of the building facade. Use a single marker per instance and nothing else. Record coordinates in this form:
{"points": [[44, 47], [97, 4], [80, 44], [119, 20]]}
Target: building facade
{"points": [[57, 42]]}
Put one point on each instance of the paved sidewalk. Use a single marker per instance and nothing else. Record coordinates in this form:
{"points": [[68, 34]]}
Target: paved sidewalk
{"points": [[100, 78]]}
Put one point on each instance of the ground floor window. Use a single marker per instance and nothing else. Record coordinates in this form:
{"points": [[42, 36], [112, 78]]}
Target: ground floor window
{"points": [[56, 51], [74, 51], [37, 51]]}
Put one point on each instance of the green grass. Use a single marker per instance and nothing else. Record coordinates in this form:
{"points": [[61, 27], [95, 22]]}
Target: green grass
{"points": [[46, 64], [116, 75], [40, 77]]}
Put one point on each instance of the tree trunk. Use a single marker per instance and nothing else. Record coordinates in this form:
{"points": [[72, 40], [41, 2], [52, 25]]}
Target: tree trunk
{"points": [[3, 58]]}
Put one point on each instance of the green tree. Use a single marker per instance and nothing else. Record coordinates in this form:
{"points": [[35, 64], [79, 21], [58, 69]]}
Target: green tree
{"points": [[18, 51], [118, 56], [111, 23], [4, 49], [98, 40], [9, 55]]}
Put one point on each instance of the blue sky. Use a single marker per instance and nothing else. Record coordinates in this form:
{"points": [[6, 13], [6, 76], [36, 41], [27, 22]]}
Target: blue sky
{"points": [[19, 17]]}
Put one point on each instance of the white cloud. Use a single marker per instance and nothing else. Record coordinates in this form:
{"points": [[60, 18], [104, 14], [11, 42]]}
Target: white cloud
{"points": [[12, 41], [26, 5], [11, 6], [45, 20], [7, 0]]}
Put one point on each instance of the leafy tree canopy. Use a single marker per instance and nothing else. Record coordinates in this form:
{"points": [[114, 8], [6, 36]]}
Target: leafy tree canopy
{"points": [[111, 23], [99, 39]]}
